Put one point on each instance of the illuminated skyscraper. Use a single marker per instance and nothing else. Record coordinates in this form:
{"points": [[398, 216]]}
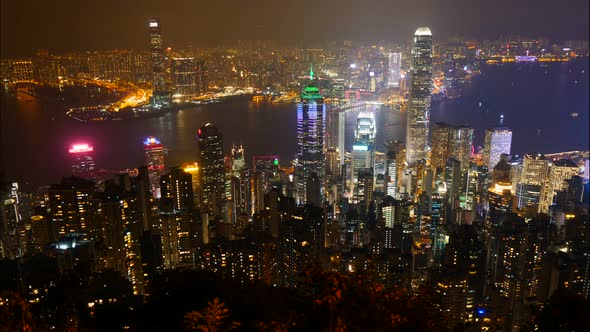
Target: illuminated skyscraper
{"points": [[184, 76], [451, 141], [154, 153], [83, 165], [202, 77], [193, 169], [534, 183], [212, 167], [335, 136], [363, 150], [311, 115], [420, 96], [391, 174], [161, 94], [497, 142], [395, 67], [238, 160], [268, 168]]}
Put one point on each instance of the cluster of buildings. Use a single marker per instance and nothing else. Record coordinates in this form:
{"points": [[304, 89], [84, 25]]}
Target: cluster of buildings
{"points": [[492, 233]]}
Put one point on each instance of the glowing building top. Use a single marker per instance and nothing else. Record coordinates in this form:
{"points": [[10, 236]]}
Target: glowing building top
{"points": [[81, 148], [423, 31], [151, 142], [365, 128]]}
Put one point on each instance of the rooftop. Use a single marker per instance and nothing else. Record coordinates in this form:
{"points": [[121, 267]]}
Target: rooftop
{"points": [[423, 31]]}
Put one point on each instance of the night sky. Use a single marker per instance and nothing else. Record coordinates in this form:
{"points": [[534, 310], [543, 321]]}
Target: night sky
{"points": [[65, 25]]}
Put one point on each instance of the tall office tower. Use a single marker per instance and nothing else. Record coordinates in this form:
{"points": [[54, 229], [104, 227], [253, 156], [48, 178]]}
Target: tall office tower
{"points": [[202, 77], [497, 142], [240, 181], [363, 150], [211, 160], [184, 76], [154, 153], [71, 207], [10, 222], [452, 180], [391, 174], [332, 164], [311, 115], [161, 93], [143, 188], [238, 160], [193, 169], [560, 171], [83, 165], [533, 183], [395, 67], [449, 70], [500, 193], [420, 96], [268, 168], [336, 133], [471, 182], [449, 141], [364, 188], [265, 175]]}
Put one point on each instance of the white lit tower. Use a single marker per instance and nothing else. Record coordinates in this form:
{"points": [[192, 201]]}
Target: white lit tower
{"points": [[497, 142], [161, 94], [418, 110], [363, 149]]}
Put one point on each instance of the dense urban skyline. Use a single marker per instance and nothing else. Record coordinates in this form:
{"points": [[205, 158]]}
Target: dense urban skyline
{"points": [[349, 186], [73, 25]]}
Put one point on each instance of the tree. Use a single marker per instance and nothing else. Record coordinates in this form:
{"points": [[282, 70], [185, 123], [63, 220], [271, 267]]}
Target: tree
{"points": [[211, 319]]}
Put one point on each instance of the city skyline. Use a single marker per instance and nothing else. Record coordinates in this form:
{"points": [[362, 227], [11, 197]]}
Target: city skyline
{"points": [[340, 21], [363, 186]]}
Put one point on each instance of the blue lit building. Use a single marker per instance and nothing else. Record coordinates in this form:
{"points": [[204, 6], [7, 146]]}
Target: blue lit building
{"points": [[311, 115]]}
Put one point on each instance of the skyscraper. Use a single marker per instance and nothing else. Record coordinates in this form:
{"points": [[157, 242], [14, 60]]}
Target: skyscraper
{"points": [[451, 141], [212, 167], [202, 77], [533, 183], [184, 76], [83, 165], [311, 114], [154, 153], [497, 142], [363, 150], [420, 96], [160, 94]]}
